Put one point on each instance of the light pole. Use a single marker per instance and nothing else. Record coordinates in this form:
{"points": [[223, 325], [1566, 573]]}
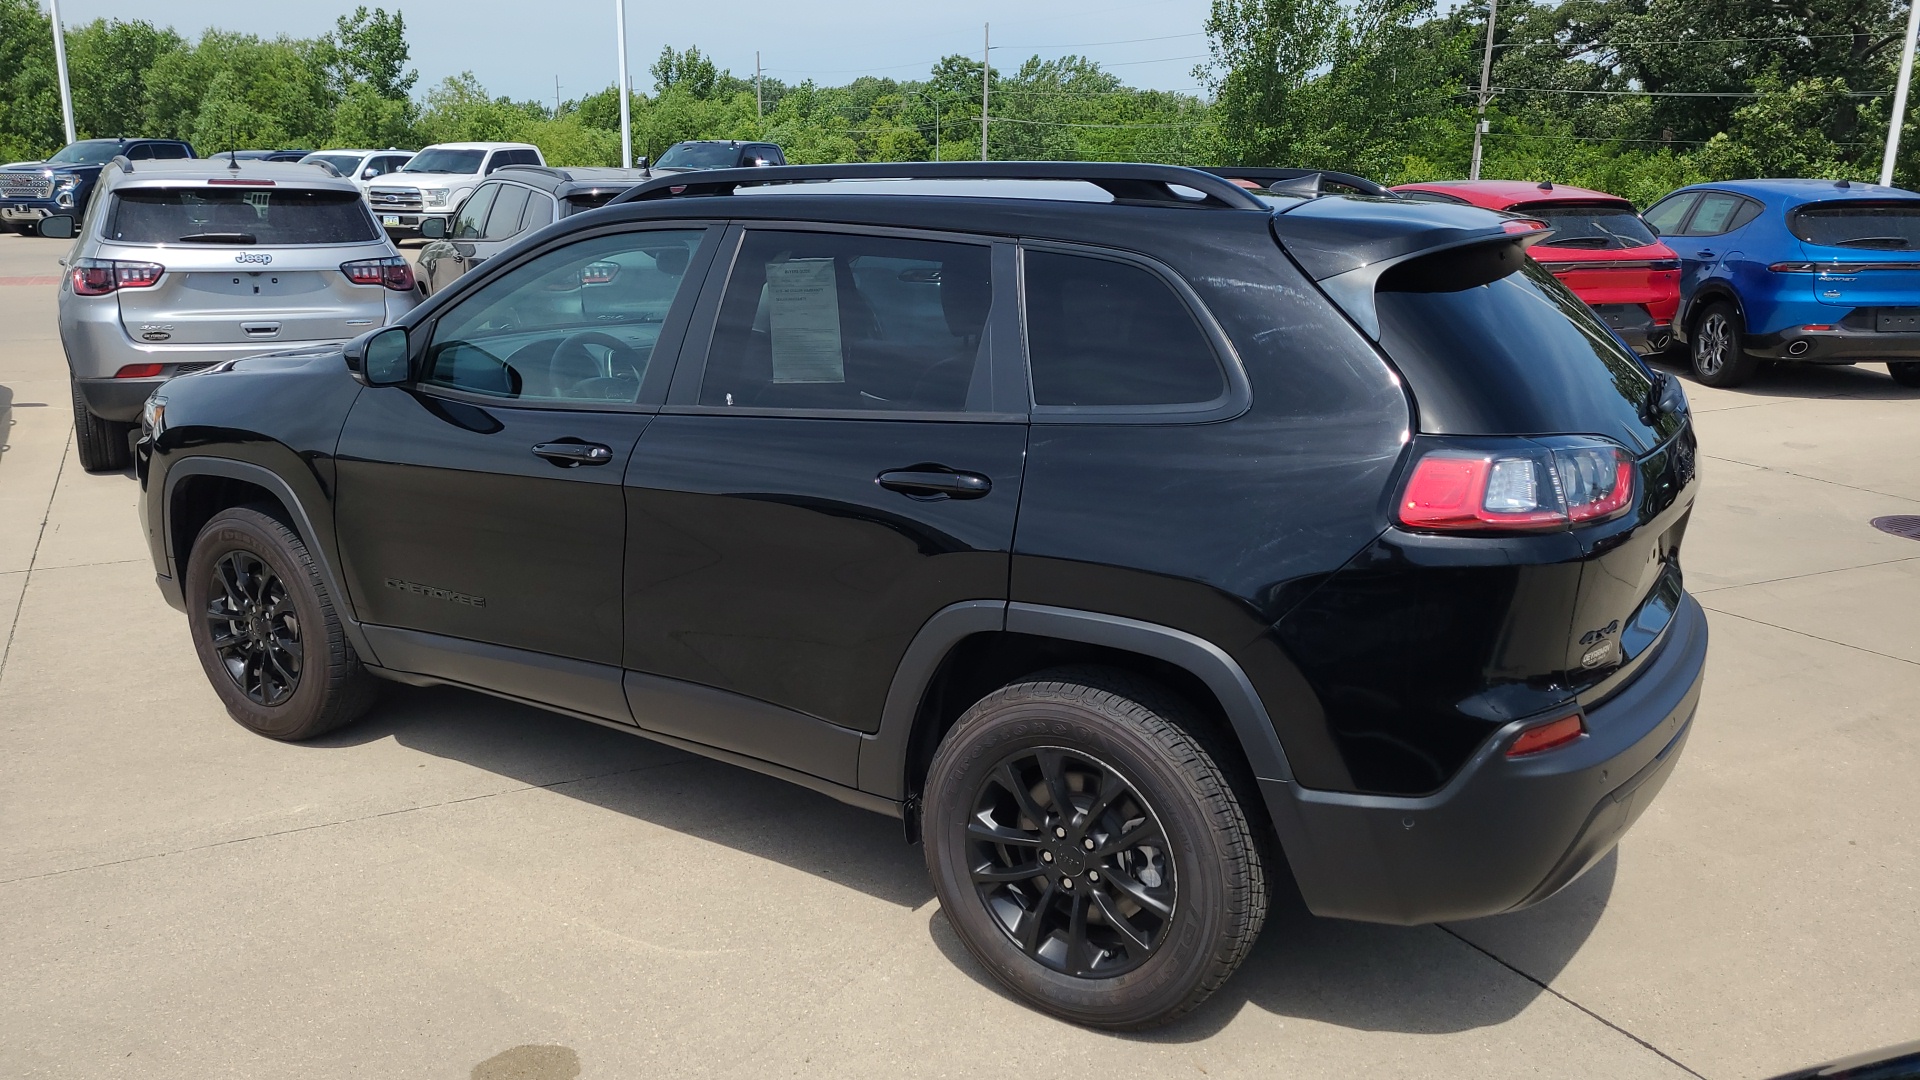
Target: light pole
{"points": [[1486, 76], [626, 118], [923, 95], [60, 64], [1900, 97]]}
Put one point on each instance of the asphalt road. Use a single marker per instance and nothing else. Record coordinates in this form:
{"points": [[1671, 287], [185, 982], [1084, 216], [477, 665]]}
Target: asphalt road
{"points": [[457, 887]]}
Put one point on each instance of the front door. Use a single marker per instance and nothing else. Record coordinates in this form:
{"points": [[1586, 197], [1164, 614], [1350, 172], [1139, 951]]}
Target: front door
{"points": [[846, 463], [483, 502]]}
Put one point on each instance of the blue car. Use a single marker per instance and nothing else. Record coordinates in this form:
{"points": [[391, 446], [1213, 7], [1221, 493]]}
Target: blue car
{"points": [[1814, 271]]}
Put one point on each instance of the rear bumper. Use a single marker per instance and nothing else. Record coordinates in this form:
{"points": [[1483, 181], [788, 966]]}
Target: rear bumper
{"points": [[1841, 345], [1505, 833], [1636, 326]]}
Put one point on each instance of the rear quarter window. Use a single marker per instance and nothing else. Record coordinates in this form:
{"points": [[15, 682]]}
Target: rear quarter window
{"points": [[254, 217], [1106, 333], [1888, 226]]}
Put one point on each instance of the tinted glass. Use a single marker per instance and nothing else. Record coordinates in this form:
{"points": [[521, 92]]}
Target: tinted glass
{"points": [[344, 164], [247, 216], [539, 212], [1890, 226], [824, 321], [169, 151], [1431, 196], [1715, 214], [1667, 214], [1596, 228], [1101, 332], [576, 324], [1491, 344], [588, 200], [470, 222], [504, 219], [699, 156], [445, 161], [141, 152], [87, 152]]}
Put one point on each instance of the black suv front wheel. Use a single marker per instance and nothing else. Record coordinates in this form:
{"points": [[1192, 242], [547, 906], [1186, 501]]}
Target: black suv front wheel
{"points": [[1090, 852]]}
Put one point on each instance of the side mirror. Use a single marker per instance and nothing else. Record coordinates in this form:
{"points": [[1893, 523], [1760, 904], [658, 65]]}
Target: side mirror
{"points": [[382, 357], [57, 227], [368, 174], [433, 228]]}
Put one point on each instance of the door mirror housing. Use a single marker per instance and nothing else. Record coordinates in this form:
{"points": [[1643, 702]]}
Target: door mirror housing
{"points": [[369, 173], [381, 358], [433, 228], [56, 227]]}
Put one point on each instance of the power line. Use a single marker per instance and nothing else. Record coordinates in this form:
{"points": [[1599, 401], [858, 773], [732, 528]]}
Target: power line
{"points": [[1591, 45], [1121, 41], [1658, 93]]}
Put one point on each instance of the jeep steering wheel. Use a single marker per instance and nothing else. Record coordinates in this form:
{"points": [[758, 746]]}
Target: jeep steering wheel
{"points": [[624, 362]]}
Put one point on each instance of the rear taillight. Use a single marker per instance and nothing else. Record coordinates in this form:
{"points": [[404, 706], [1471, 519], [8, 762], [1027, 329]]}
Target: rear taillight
{"points": [[392, 272], [1794, 268], [1548, 736], [1530, 488], [98, 277], [138, 371], [599, 273]]}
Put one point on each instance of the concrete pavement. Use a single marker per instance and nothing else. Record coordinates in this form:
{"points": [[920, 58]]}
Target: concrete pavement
{"points": [[459, 887]]}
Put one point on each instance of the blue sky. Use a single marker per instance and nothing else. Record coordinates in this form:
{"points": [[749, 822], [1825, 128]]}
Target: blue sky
{"points": [[517, 47]]}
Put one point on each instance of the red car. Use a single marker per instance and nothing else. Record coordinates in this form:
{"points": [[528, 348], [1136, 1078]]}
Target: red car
{"points": [[1600, 247]]}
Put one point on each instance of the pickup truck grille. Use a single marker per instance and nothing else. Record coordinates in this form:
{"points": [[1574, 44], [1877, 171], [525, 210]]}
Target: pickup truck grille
{"points": [[25, 186], [390, 200]]}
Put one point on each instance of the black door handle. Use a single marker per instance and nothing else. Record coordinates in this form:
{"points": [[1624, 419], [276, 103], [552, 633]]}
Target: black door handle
{"points": [[933, 482], [570, 454]]}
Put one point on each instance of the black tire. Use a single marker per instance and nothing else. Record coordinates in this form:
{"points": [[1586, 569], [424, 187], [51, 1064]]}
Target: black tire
{"points": [[1717, 347], [1905, 372], [1098, 728], [102, 443], [251, 581]]}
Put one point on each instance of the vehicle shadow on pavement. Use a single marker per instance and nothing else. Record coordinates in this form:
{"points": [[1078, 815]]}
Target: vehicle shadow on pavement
{"points": [[631, 775], [1791, 380], [1416, 980]]}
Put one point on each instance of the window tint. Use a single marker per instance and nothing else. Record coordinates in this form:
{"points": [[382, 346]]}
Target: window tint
{"points": [[588, 200], [470, 222], [445, 161], [576, 324], [259, 216], [1747, 212], [1715, 214], [539, 212], [504, 219], [826, 321], [344, 164], [1101, 332], [1667, 214], [1431, 196], [1596, 228], [694, 155], [168, 151], [87, 152], [1889, 226], [140, 152]]}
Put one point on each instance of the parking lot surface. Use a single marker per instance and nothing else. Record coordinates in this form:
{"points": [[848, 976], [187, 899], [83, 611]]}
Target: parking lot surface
{"points": [[461, 887]]}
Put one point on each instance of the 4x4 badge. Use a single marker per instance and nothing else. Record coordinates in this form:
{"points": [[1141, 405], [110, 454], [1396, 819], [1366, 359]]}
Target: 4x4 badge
{"points": [[1592, 636]]}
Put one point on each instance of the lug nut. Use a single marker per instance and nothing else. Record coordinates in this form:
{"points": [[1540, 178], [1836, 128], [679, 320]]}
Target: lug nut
{"points": [[1087, 843], [1046, 856], [1066, 883], [1093, 875], [1059, 832]]}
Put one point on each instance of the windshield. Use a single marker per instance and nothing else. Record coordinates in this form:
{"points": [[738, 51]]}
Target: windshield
{"points": [[89, 152], [1597, 228], [1892, 226], [251, 217], [445, 161], [344, 164], [699, 156]]}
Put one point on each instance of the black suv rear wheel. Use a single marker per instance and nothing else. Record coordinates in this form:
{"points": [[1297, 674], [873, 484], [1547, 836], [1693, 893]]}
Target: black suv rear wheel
{"points": [[1090, 852], [264, 626]]}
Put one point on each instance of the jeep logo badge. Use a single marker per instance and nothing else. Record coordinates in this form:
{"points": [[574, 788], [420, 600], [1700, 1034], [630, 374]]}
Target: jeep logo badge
{"points": [[258, 257]]}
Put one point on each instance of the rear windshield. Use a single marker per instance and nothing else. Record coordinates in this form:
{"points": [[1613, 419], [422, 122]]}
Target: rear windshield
{"points": [[699, 156], [445, 161], [1491, 344], [590, 200], [247, 216], [1892, 226], [1595, 228]]}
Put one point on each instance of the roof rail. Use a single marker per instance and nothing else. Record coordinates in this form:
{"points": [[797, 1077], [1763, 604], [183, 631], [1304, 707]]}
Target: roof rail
{"points": [[122, 161], [1304, 182], [327, 165], [1127, 183]]}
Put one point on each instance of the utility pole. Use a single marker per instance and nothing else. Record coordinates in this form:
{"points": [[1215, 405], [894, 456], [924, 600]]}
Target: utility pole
{"points": [[556, 97], [1486, 77], [626, 89], [759, 106], [60, 63], [986, 66], [1900, 97]]}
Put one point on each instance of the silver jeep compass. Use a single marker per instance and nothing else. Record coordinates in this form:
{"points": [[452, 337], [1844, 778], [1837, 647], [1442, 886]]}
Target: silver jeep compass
{"points": [[188, 263]]}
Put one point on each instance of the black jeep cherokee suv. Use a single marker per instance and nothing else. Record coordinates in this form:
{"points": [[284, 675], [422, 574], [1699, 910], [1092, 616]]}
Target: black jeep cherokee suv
{"points": [[1136, 538]]}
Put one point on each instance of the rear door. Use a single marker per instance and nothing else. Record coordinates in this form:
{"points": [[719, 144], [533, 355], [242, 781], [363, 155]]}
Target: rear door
{"points": [[846, 462], [259, 262], [1868, 254]]}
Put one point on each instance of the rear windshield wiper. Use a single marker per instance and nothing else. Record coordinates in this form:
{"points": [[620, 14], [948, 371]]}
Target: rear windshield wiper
{"points": [[1874, 242], [219, 238], [1579, 242]]}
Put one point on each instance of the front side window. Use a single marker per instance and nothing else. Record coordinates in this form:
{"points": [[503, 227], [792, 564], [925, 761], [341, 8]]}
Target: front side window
{"points": [[1881, 226], [1715, 214], [851, 322], [1668, 214], [504, 219], [470, 223], [576, 324], [248, 216], [1107, 333]]}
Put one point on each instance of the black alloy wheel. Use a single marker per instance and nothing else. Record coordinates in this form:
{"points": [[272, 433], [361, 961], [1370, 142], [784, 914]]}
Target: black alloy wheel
{"points": [[1072, 862], [255, 628]]}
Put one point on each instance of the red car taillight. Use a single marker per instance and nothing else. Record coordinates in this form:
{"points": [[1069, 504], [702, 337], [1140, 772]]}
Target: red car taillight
{"points": [[392, 272], [1528, 489], [1548, 736], [98, 277]]}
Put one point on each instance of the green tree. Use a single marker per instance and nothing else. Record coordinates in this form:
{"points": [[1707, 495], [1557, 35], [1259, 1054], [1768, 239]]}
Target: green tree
{"points": [[370, 47], [108, 63], [30, 125]]}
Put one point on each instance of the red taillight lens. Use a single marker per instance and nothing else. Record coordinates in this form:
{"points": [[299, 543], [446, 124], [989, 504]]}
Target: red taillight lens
{"points": [[1548, 736], [98, 277], [599, 273], [1527, 490], [1595, 481], [395, 273], [138, 371]]}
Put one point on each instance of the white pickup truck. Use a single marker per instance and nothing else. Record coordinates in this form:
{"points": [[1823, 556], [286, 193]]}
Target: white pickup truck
{"points": [[438, 180]]}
